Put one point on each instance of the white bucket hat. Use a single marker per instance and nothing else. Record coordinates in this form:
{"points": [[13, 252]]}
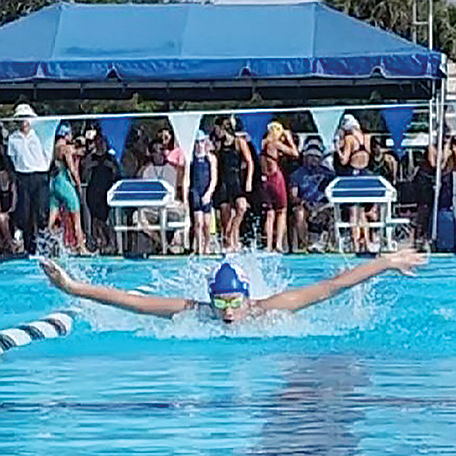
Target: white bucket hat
{"points": [[24, 110], [313, 151]]}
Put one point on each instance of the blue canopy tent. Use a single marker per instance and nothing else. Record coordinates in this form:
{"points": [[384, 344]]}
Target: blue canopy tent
{"points": [[196, 51]]}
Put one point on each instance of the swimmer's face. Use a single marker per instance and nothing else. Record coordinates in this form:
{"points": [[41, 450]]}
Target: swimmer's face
{"points": [[230, 307]]}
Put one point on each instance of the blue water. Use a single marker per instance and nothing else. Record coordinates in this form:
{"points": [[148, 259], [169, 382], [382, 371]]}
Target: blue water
{"points": [[371, 372]]}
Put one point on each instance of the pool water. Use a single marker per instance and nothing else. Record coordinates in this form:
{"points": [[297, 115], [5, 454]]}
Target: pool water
{"points": [[370, 372]]}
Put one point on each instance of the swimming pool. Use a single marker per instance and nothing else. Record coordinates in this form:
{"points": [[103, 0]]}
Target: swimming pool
{"points": [[372, 372]]}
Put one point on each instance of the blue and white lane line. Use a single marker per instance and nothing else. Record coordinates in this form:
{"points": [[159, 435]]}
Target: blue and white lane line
{"points": [[57, 324]]}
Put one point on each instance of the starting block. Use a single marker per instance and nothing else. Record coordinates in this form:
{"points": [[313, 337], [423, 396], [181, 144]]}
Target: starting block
{"points": [[357, 190]]}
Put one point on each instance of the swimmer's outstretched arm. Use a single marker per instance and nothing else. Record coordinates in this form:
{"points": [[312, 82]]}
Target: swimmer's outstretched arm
{"points": [[153, 305], [404, 261]]}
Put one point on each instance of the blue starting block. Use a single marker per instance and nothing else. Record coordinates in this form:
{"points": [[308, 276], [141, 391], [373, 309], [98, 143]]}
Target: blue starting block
{"points": [[365, 190], [145, 193]]}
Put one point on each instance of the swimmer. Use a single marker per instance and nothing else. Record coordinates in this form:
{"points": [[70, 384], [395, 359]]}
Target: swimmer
{"points": [[229, 290]]}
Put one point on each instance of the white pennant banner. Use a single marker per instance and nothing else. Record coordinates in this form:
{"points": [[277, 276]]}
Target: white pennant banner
{"points": [[46, 130], [327, 122], [185, 126]]}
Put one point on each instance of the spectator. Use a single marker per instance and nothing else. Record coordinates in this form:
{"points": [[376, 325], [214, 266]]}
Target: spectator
{"points": [[175, 156], [136, 152], [64, 136], [338, 146], [158, 168], [314, 142], [254, 197], [448, 167], [355, 153], [79, 152], [251, 224], [31, 163], [203, 180], [425, 183], [235, 175], [64, 191], [290, 163], [410, 164], [354, 156], [278, 142], [307, 198], [99, 170], [8, 197], [383, 162]]}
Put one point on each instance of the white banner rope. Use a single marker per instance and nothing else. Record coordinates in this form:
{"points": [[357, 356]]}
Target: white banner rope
{"points": [[223, 112]]}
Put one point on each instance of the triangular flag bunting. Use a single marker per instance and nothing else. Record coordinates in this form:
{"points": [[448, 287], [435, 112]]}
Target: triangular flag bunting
{"points": [[397, 121], [185, 126], [116, 131], [327, 121], [45, 130]]}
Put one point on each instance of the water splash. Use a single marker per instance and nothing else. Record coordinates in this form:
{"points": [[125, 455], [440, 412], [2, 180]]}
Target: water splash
{"points": [[51, 244], [361, 308]]}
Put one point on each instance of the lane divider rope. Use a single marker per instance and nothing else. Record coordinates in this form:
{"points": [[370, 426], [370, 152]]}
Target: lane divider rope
{"points": [[57, 324]]}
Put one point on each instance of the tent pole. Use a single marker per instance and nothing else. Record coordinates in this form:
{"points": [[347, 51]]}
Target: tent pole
{"points": [[438, 177], [431, 112]]}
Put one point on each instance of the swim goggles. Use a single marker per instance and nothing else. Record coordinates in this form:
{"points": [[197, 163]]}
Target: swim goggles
{"points": [[225, 303]]}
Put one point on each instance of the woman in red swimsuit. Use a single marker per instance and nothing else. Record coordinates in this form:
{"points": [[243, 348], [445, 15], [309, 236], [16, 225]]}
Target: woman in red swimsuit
{"points": [[278, 142]]}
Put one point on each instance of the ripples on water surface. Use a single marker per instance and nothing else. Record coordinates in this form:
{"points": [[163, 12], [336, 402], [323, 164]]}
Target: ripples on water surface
{"points": [[371, 372]]}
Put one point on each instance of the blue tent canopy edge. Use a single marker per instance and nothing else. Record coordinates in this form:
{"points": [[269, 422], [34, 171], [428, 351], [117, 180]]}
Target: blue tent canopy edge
{"points": [[188, 42]]}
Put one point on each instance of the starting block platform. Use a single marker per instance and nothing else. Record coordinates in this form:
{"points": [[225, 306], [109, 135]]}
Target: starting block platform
{"points": [[146, 193], [358, 190]]}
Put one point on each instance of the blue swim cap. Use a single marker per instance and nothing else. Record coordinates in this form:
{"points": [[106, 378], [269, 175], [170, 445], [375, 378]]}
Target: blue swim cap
{"points": [[229, 279]]}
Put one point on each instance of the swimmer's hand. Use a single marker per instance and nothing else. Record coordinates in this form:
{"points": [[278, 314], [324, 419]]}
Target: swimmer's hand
{"points": [[406, 261], [57, 275]]}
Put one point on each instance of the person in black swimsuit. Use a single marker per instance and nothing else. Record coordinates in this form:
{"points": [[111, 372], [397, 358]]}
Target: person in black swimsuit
{"points": [[354, 157], [203, 180], [235, 174], [355, 153]]}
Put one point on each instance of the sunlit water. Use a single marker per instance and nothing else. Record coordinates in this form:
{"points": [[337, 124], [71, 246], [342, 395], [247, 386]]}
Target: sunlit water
{"points": [[371, 372]]}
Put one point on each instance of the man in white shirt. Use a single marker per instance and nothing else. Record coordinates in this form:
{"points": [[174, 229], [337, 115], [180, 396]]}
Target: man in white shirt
{"points": [[31, 163]]}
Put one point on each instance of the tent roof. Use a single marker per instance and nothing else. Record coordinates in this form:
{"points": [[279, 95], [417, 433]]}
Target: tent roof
{"points": [[194, 42]]}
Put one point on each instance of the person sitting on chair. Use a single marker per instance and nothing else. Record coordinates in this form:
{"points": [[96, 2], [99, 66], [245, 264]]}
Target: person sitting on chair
{"points": [[307, 198]]}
